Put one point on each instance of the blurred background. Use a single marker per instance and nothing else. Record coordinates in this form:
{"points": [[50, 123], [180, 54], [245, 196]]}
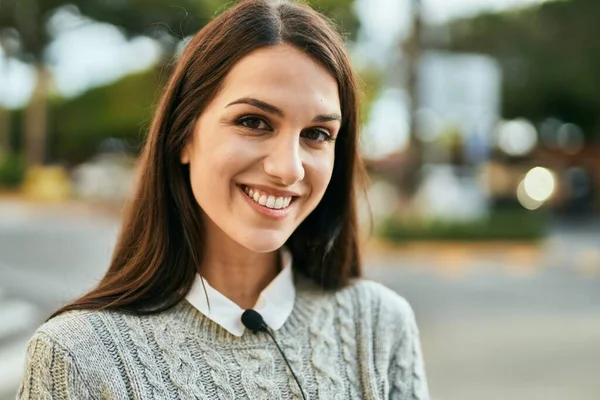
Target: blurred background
{"points": [[481, 135]]}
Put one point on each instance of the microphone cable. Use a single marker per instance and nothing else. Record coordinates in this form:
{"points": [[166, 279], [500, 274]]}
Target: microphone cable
{"points": [[255, 322]]}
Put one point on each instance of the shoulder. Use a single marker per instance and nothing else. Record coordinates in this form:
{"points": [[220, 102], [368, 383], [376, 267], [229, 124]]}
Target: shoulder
{"points": [[73, 327], [363, 298], [90, 332], [375, 292], [384, 313], [381, 299], [87, 333], [59, 356], [52, 368]]}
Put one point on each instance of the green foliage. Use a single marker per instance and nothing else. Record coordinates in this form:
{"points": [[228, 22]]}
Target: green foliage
{"points": [[506, 225], [371, 81], [12, 170], [550, 54], [342, 13], [121, 110], [25, 21]]}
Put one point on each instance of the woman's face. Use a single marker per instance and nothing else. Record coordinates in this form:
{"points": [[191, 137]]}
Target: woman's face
{"points": [[262, 153]]}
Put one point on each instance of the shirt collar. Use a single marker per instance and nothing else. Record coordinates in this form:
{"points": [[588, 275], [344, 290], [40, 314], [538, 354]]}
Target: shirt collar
{"points": [[275, 303]]}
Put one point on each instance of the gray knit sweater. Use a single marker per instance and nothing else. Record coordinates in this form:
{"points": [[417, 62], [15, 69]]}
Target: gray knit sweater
{"points": [[360, 342]]}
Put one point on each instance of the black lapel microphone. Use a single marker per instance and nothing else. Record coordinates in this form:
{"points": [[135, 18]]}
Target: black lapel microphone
{"points": [[255, 322]]}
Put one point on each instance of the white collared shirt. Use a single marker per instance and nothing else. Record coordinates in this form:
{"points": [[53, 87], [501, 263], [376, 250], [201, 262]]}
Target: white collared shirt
{"points": [[275, 303]]}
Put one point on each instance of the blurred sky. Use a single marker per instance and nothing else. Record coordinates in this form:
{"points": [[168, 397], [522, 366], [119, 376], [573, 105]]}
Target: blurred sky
{"points": [[98, 54]]}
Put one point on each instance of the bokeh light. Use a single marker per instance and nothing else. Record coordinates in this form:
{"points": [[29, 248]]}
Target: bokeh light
{"points": [[517, 137], [539, 183], [525, 200], [570, 138]]}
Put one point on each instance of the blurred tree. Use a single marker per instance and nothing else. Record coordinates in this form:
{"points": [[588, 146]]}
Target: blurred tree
{"points": [[342, 13], [550, 54], [157, 18], [121, 110], [5, 128], [371, 79], [25, 33]]}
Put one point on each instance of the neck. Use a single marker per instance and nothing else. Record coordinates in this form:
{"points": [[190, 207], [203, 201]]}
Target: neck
{"points": [[236, 272]]}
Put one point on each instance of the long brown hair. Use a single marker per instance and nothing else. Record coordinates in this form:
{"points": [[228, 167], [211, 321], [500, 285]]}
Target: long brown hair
{"points": [[161, 242]]}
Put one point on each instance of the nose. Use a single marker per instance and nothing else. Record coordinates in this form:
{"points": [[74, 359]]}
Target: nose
{"points": [[284, 161]]}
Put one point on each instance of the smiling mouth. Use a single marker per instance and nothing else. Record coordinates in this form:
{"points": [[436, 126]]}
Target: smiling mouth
{"points": [[268, 200]]}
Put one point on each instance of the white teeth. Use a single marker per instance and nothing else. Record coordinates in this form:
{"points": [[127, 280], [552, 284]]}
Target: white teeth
{"points": [[279, 202], [267, 200]]}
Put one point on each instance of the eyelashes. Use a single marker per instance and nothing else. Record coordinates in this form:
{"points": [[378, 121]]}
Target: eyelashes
{"points": [[326, 137], [258, 123], [252, 122]]}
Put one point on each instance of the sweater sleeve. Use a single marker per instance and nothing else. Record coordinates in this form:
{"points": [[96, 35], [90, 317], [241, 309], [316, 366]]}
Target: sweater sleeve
{"points": [[407, 372], [50, 373]]}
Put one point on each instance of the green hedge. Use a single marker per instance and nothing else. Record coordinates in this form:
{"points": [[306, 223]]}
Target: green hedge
{"points": [[121, 110], [12, 170], [77, 126], [502, 225]]}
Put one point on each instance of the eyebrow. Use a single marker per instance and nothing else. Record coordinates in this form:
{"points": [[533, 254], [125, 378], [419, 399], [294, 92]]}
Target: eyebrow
{"points": [[271, 109]]}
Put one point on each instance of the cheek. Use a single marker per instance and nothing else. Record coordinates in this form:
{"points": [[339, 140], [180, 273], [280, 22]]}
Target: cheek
{"points": [[215, 163], [206, 171], [319, 171]]}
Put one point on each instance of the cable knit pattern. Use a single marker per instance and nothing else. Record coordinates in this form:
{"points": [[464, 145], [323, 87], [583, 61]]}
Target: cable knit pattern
{"points": [[258, 372], [217, 371], [181, 354], [324, 346], [137, 340], [50, 373], [407, 382], [348, 342], [182, 371], [292, 351], [45, 385]]}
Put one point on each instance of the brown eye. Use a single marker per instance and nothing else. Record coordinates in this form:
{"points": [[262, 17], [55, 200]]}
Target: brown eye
{"points": [[253, 123], [317, 135]]}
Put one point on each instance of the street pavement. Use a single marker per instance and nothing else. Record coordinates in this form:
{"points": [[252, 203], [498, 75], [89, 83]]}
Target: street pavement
{"points": [[497, 322]]}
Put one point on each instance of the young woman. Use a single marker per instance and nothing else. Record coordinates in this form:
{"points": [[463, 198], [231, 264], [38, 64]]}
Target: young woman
{"points": [[246, 200]]}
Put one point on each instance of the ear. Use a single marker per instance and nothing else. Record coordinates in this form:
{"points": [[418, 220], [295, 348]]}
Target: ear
{"points": [[185, 157]]}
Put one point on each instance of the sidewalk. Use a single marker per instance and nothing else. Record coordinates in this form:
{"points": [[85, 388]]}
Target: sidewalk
{"points": [[455, 259], [16, 206]]}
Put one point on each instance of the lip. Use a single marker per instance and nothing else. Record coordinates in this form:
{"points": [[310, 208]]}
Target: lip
{"points": [[278, 214], [274, 192]]}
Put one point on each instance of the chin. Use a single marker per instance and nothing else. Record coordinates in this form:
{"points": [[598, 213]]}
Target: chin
{"points": [[264, 241]]}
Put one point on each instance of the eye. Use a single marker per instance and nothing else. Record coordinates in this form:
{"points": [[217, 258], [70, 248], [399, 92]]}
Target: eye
{"points": [[317, 135], [253, 122]]}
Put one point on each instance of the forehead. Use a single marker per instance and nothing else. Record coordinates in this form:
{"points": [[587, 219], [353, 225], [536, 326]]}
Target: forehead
{"points": [[285, 77]]}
